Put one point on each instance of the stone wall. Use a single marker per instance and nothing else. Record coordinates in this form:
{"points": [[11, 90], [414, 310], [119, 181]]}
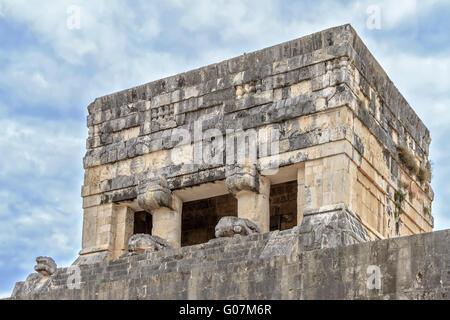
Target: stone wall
{"points": [[339, 117], [316, 261]]}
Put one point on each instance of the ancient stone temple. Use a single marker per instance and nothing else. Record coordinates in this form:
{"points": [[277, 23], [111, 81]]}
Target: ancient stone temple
{"points": [[266, 160]]}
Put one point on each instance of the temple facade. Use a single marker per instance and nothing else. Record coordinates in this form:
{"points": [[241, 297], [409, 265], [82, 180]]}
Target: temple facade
{"points": [[289, 133]]}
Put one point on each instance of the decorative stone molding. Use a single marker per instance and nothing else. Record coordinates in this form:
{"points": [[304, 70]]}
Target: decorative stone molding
{"points": [[234, 226], [163, 117], [154, 194], [46, 266], [141, 242], [250, 88], [343, 63], [240, 178]]}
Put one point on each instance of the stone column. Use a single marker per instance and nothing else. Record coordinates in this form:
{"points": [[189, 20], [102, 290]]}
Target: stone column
{"points": [[252, 192], [124, 230], [155, 197], [300, 194], [99, 232]]}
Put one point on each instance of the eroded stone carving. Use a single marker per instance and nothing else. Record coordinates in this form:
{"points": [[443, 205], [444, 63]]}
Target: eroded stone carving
{"points": [[46, 266], [242, 177], [252, 87], [154, 194], [37, 282], [141, 242], [231, 226], [163, 117]]}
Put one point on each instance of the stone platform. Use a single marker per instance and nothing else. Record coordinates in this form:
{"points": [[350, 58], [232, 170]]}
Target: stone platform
{"points": [[291, 264]]}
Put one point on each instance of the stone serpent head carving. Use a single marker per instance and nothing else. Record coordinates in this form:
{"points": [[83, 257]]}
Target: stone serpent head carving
{"points": [[141, 242], [46, 266], [232, 226]]}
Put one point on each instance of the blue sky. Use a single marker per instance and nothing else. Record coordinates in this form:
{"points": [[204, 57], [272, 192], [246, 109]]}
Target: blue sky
{"points": [[50, 73]]}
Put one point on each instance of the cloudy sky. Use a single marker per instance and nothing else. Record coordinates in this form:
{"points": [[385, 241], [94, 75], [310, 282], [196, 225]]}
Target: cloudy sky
{"points": [[50, 70]]}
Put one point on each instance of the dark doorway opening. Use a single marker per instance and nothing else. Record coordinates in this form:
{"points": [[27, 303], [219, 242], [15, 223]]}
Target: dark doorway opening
{"points": [[200, 217], [283, 206], [142, 222]]}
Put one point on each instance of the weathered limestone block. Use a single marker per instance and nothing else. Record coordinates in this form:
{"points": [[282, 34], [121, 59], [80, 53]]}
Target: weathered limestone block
{"points": [[256, 206], [46, 266], [144, 242], [232, 226], [155, 197], [90, 258], [282, 243], [252, 192], [167, 223], [330, 227]]}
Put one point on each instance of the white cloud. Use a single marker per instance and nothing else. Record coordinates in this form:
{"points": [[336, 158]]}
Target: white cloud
{"points": [[400, 12], [396, 12], [116, 37], [31, 146], [40, 178], [52, 71]]}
